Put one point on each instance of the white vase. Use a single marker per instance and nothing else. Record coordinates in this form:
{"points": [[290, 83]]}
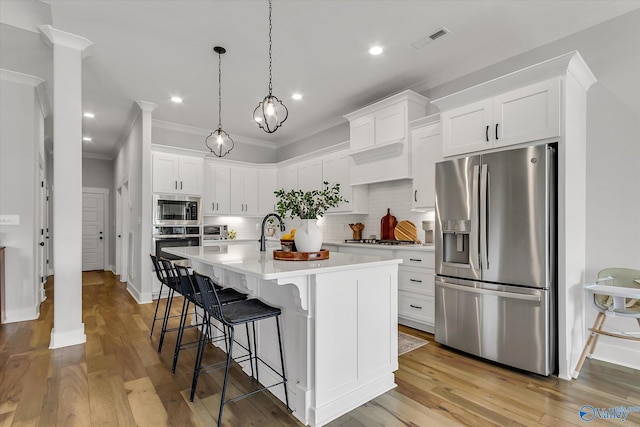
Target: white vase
{"points": [[308, 236]]}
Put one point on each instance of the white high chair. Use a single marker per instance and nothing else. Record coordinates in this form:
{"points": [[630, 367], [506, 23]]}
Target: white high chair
{"points": [[615, 293]]}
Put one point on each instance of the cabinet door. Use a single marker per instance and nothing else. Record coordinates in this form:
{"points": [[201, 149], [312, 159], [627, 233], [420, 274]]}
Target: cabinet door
{"points": [[266, 186], [335, 169], [426, 150], [362, 133], [310, 175], [236, 197], [287, 177], [165, 173], [250, 191], [190, 171], [390, 124], [216, 189], [468, 128], [527, 114]]}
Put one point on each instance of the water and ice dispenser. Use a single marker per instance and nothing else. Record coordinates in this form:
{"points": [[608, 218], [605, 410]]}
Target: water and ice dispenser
{"points": [[455, 241]]}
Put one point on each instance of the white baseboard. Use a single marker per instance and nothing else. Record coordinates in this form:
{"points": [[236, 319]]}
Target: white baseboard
{"points": [[110, 268], [140, 298], [21, 314], [66, 339], [628, 356]]}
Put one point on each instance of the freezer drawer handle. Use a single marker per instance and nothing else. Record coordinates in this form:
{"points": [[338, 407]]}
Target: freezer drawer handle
{"points": [[415, 306], [511, 295]]}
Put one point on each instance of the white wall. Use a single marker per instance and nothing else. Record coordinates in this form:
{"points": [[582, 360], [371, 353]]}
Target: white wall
{"points": [[21, 134]]}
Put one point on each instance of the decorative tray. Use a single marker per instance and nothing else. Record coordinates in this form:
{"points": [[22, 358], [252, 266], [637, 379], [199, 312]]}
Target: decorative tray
{"points": [[301, 256]]}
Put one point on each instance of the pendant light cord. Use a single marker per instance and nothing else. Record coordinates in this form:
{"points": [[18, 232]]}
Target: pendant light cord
{"points": [[270, 28], [219, 90]]}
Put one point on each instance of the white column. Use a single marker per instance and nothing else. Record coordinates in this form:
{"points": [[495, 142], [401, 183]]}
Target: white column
{"points": [[68, 49], [146, 279]]}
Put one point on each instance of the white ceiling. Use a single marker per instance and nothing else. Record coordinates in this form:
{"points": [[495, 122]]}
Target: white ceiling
{"points": [[152, 50]]}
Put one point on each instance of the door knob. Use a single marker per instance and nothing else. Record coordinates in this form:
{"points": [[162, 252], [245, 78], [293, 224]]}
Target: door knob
{"points": [[100, 237], [41, 243]]}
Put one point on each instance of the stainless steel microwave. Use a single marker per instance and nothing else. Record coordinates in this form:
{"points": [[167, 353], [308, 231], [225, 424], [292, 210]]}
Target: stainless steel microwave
{"points": [[176, 210], [215, 232]]}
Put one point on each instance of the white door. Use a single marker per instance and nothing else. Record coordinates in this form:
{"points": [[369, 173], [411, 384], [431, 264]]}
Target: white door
{"points": [[118, 230], [92, 231]]}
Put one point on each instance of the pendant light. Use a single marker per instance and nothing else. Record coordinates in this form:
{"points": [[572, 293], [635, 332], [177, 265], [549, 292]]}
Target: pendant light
{"points": [[270, 113], [219, 142]]}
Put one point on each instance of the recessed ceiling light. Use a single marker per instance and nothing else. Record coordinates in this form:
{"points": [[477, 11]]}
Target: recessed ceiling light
{"points": [[296, 96], [176, 99], [375, 50], [86, 138], [89, 115]]}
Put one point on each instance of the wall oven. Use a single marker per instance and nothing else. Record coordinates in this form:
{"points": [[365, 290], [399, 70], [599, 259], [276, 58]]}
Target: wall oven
{"points": [[174, 236], [176, 210]]}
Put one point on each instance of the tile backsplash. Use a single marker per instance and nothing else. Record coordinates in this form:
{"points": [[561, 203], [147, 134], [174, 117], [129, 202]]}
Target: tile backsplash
{"points": [[395, 195]]}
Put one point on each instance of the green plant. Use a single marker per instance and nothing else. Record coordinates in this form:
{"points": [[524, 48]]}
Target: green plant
{"points": [[308, 204]]}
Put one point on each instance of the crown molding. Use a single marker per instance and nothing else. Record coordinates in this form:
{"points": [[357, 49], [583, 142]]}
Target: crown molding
{"points": [[192, 130], [20, 78], [97, 156], [53, 36], [147, 106]]}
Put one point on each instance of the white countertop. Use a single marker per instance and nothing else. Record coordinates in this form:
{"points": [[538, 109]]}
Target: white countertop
{"points": [[247, 259], [403, 247]]}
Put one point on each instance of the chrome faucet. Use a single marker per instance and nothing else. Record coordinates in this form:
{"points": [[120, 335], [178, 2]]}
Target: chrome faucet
{"points": [[263, 244]]}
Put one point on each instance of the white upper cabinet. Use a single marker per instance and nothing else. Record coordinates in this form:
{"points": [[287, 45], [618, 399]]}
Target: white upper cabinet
{"points": [[378, 136], [267, 184], [526, 114], [244, 191], [336, 169], [426, 148], [287, 177], [310, 175], [174, 174], [217, 180], [362, 132]]}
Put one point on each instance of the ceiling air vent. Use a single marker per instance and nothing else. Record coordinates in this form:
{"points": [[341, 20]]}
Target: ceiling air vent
{"points": [[422, 42]]}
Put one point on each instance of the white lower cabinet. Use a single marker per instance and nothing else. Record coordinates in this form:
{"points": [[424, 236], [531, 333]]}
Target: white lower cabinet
{"points": [[416, 288]]}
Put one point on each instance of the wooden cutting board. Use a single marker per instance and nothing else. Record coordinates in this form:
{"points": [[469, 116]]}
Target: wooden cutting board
{"points": [[406, 230], [387, 226]]}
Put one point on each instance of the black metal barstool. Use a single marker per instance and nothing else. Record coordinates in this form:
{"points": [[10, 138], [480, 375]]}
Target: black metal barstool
{"points": [[192, 296], [166, 279], [232, 315]]}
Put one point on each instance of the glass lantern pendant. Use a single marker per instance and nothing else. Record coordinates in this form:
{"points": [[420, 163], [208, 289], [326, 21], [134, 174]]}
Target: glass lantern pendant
{"points": [[270, 113], [219, 142]]}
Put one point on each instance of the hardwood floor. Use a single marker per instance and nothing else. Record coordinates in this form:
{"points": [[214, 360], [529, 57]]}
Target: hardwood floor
{"points": [[118, 379]]}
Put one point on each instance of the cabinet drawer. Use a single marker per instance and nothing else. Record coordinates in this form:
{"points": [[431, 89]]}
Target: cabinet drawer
{"points": [[418, 280], [417, 258], [416, 307]]}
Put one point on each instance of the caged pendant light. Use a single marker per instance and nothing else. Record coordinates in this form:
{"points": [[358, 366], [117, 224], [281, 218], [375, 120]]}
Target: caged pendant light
{"points": [[270, 113], [219, 142]]}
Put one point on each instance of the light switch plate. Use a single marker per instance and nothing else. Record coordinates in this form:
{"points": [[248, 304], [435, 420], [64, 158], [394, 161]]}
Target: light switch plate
{"points": [[9, 219]]}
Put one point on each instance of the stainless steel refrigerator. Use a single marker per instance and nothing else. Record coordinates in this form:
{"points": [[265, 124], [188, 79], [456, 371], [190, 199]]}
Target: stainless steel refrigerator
{"points": [[496, 256]]}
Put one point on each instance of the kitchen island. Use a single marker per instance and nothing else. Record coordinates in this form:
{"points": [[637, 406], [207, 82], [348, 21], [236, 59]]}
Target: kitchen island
{"points": [[339, 322]]}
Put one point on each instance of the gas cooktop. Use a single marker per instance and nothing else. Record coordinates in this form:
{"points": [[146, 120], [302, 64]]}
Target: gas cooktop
{"points": [[381, 242]]}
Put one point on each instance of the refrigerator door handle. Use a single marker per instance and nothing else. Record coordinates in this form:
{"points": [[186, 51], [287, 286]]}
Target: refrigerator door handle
{"points": [[473, 237], [503, 294], [484, 231]]}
